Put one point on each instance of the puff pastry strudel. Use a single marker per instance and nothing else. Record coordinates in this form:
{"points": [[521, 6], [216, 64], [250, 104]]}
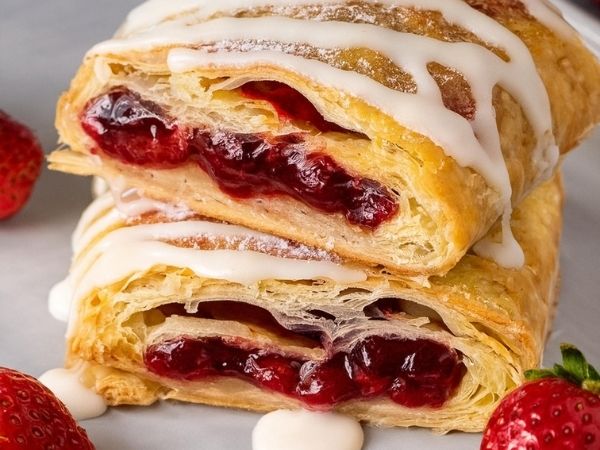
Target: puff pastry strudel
{"points": [[391, 132], [170, 305]]}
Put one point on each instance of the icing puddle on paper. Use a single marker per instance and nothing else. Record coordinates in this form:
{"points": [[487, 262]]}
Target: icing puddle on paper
{"points": [[306, 430], [81, 401]]}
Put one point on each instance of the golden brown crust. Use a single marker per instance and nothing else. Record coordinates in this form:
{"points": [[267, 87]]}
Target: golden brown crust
{"points": [[497, 318]]}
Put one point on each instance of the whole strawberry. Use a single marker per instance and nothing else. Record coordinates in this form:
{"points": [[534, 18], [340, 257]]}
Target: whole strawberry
{"points": [[558, 409], [32, 418], [20, 163]]}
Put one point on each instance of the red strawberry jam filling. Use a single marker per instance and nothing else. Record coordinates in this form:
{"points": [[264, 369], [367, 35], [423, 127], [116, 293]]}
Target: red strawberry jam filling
{"points": [[134, 131], [412, 373], [289, 104], [139, 132]]}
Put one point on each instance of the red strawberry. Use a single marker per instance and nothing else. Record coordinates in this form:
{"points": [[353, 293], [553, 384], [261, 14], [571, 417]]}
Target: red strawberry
{"points": [[20, 163], [558, 409], [32, 418]]}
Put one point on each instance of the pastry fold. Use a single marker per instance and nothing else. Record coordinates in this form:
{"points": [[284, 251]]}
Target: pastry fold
{"points": [[148, 289], [385, 132]]}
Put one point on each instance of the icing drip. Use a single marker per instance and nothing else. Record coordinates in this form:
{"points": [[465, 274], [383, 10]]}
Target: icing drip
{"points": [[82, 402], [95, 210], [550, 16], [99, 186], [103, 259], [155, 11], [59, 300], [474, 144], [300, 430], [506, 251]]}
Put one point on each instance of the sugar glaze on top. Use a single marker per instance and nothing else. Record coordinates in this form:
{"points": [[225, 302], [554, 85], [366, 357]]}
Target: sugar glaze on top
{"points": [[474, 144]]}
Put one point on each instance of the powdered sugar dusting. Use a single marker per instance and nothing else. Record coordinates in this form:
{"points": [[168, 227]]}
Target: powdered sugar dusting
{"points": [[244, 240], [394, 77], [270, 245]]}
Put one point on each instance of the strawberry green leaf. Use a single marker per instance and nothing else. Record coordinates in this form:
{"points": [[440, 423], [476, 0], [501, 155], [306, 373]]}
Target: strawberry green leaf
{"points": [[538, 374], [593, 373], [561, 372], [574, 362], [575, 369]]}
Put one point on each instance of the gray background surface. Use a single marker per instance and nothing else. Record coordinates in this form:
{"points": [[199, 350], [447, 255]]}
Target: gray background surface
{"points": [[41, 46]]}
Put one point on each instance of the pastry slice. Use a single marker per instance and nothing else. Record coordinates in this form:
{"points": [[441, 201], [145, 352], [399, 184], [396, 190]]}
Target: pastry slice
{"points": [[393, 132], [170, 305]]}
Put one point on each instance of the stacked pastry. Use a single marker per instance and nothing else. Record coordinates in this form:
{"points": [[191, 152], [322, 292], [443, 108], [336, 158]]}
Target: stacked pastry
{"points": [[346, 205]]}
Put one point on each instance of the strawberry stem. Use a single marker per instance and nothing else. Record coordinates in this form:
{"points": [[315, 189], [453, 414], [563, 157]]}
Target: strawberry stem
{"points": [[592, 386], [574, 369]]}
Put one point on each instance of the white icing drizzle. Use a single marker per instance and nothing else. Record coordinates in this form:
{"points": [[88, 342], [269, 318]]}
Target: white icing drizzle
{"points": [[302, 430], [550, 16], [99, 186], [139, 248], [153, 12], [506, 251], [59, 300], [106, 221], [129, 203], [474, 144], [91, 213], [81, 401], [244, 267]]}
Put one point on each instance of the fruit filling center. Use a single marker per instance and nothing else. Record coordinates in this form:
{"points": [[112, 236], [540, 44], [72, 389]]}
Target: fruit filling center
{"points": [[411, 372], [136, 131]]}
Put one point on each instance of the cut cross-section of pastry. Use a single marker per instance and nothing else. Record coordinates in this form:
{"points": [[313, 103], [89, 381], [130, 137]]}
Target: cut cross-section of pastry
{"points": [[391, 132], [169, 305]]}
